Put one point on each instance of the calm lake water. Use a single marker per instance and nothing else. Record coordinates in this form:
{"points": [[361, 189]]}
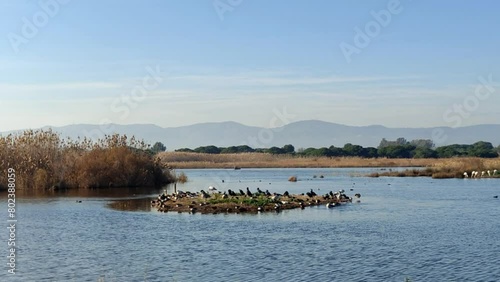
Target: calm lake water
{"points": [[424, 229]]}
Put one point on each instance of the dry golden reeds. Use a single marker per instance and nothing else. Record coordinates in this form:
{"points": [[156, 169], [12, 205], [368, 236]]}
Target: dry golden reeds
{"points": [[181, 178], [43, 160], [263, 160], [438, 168]]}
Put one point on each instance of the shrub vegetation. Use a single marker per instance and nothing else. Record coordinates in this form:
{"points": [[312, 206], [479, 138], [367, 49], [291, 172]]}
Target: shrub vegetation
{"points": [[43, 160]]}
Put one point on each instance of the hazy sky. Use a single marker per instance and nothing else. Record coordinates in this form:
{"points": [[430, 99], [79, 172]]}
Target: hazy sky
{"points": [[395, 63]]}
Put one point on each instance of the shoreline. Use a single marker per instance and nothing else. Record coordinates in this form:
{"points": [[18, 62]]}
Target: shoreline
{"points": [[462, 167]]}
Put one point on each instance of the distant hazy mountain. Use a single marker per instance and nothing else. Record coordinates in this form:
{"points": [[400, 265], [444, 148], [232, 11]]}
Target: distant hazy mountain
{"points": [[311, 133]]}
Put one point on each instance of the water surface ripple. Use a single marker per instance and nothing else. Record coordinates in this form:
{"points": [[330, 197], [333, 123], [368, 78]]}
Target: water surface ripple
{"points": [[424, 229]]}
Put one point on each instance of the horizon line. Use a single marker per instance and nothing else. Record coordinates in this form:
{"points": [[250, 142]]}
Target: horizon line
{"points": [[239, 123]]}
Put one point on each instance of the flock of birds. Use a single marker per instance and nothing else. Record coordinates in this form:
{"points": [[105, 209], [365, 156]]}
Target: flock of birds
{"points": [[332, 199], [477, 174]]}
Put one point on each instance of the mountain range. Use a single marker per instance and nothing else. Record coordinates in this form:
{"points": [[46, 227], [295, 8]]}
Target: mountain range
{"points": [[301, 134]]}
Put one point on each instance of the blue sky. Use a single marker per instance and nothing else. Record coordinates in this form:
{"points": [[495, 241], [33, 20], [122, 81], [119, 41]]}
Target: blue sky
{"points": [[86, 62]]}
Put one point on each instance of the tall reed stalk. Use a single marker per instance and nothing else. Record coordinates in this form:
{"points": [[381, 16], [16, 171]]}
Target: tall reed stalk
{"points": [[44, 160]]}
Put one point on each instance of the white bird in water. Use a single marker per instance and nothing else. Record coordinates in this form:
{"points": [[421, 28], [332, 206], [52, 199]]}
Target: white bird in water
{"points": [[212, 188], [466, 175], [330, 205]]}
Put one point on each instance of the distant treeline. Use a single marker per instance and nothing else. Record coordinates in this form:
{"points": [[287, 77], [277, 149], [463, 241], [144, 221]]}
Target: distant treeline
{"points": [[400, 148]]}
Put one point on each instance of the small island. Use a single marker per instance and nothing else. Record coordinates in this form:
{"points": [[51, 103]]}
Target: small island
{"points": [[214, 202]]}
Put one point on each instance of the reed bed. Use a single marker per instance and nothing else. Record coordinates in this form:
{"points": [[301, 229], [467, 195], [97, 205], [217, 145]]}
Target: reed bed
{"points": [[181, 178], [436, 168], [264, 160], [42, 160], [449, 168]]}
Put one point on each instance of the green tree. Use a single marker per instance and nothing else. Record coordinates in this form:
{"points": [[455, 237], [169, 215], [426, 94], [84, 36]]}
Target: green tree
{"points": [[483, 150], [386, 143], [424, 153], [208, 149], [370, 152], [245, 149], [454, 150], [313, 152], [323, 152], [158, 147], [185, 150], [336, 151], [353, 150], [383, 143], [275, 151], [422, 143], [289, 149], [398, 151], [229, 150], [401, 141]]}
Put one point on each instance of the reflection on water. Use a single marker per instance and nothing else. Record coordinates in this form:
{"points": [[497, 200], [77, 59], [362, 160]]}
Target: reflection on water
{"points": [[142, 204], [115, 192]]}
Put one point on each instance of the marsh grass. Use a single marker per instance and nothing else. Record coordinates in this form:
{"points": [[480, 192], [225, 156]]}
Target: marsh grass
{"points": [[264, 160], [43, 160], [436, 168], [405, 173], [181, 178], [448, 168]]}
